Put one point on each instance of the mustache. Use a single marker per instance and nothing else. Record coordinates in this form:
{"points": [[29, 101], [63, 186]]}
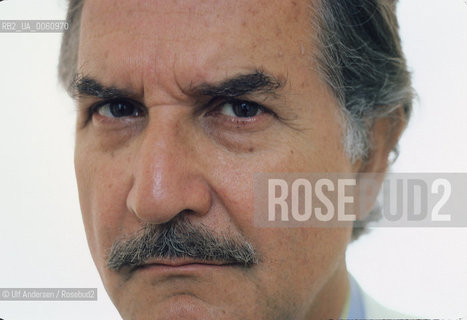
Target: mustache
{"points": [[179, 238]]}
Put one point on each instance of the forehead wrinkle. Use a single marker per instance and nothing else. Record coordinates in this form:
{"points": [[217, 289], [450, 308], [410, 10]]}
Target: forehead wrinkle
{"points": [[147, 69]]}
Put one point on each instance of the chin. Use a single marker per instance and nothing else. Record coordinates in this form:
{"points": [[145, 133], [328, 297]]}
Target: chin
{"points": [[180, 306]]}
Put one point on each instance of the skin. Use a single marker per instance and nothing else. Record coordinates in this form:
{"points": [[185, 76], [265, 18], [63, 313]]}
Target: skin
{"points": [[174, 158]]}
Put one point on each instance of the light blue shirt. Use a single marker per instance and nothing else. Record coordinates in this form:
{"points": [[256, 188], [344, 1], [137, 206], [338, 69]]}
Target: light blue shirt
{"points": [[356, 305], [361, 306]]}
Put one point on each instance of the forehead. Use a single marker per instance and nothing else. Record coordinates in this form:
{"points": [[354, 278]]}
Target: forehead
{"points": [[169, 18], [141, 39]]}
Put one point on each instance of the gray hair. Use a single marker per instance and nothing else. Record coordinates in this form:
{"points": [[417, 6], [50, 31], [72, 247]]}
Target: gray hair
{"points": [[359, 56], [361, 59]]}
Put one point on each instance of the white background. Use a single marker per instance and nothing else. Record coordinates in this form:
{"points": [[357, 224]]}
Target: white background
{"points": [[42, 240]]}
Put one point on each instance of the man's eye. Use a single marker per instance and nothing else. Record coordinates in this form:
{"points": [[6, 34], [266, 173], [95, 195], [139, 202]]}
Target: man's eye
{"points": [[118, 109], [240, 109]]}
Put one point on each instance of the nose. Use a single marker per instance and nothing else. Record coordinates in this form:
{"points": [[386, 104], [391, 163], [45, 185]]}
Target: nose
{"points": [[167, 175]]}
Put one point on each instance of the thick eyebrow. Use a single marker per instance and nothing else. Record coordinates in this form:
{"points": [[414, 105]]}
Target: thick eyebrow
{"points": [[87, 86], [239, 85]]}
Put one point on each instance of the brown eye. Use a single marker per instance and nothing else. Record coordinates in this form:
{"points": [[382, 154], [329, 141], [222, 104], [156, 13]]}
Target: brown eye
{"points": [[240, 109], [119, 109]]}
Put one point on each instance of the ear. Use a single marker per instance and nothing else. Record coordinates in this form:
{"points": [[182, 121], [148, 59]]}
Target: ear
{"points": [[384, 135]]}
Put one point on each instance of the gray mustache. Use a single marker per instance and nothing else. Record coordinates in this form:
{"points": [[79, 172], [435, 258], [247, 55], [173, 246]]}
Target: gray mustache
{"points": [[179, 238]]}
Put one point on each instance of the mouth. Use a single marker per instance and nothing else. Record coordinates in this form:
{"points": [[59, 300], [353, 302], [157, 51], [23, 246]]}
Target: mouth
{"points": [[179, 265]]}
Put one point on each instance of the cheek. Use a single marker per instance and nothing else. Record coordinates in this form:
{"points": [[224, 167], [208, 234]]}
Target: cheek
{"points": [[103, 185], [298, 262], [295, 261], [232, 177]]}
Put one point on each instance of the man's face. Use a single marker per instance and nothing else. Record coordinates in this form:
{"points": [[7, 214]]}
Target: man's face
{"points": [[211, 92]]}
